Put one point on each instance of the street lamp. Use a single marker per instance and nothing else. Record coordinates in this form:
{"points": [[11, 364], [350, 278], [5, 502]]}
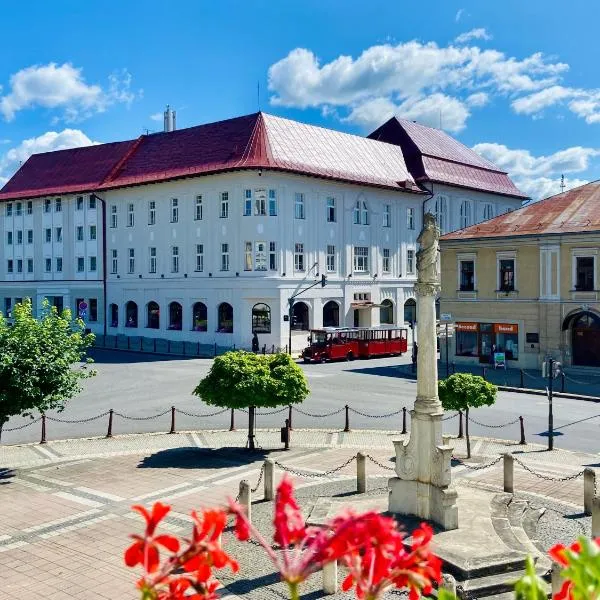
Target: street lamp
{"points": [[323, 282]]}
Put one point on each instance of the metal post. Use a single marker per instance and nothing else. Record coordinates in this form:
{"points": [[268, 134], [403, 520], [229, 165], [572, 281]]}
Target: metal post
{"points": [[509, 473], [198, 350], [251, 414], [287, 437], [550, 415], [232, 423], [448, 583], [154, 343], [269, 479], [404, 419], [522, 379], [460, 425], [562, 383], [172, 420], [484, 372], [215, 351], [347, 425], [110, 422], [361, 473], [589, 490], [447, 363], [522, 426], [290, 416], [43, 440], [596, 517], [246, 498], [290, 315]]}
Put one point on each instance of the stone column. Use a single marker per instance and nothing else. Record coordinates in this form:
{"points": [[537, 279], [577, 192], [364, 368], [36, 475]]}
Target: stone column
{"points": [[423, 483]]}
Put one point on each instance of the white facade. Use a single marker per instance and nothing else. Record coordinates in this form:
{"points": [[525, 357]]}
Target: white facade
{"points": [[237, 239]]}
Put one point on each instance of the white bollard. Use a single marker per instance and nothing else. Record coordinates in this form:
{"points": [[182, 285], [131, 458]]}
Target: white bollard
{"points": [[596, 517], [448, 583], [269, 479], [330, 578], [361, 473], [246, 498], [446, 439], [556, 580], [589, 490], [509, 473]]}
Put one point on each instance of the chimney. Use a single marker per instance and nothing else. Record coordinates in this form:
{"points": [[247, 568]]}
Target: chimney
{"points": [[169, 120]]}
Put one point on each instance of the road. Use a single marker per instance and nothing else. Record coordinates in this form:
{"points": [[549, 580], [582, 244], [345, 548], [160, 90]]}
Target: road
{"points": [[145, 385]]}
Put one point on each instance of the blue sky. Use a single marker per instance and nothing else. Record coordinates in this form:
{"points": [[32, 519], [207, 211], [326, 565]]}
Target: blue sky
{"points": [[516, 80]]}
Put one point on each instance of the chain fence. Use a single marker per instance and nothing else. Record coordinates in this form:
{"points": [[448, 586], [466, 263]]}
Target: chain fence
{"points": [[385, 416], [547, 477], [200, 415], [87, 420], [28, 424], [461, 462], [318, 416], [471, 420], [148, 418], [379, 464], [300, 473], [449, 417]]}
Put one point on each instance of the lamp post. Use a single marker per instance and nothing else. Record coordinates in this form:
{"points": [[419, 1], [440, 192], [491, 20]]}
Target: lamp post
{"points": [[323, 283]]}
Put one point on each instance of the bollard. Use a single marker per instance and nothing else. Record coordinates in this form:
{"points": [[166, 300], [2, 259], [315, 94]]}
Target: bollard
{"points": [[215, 350], [522, 425], [347, 425], [269, 479], [110, 421], [460, 425], [562, 383], [330, 578], [290, 416], [521, 373], [448, 583], [509, 473], [404, 419], [589, 490], [555, 579], [172, 430], [286, 440], [264, 349], [43, 440], [596, 517], [484, 372], [232, 421], [361, 473], [246, 498]]}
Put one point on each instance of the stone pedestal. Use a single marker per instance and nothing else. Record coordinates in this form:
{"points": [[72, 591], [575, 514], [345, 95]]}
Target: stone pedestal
{"points": [[423, 483]]}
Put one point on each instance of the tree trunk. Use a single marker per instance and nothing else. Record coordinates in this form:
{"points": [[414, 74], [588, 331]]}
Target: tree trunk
{"points": [[467, 432], [251, 412], [3, 419]]}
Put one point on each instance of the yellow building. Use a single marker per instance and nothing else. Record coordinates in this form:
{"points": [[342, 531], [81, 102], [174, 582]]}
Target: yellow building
{"points": [[526, 284]]}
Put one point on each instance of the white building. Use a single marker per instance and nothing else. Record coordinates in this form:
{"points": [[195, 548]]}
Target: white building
{"points": [[203, 234]]}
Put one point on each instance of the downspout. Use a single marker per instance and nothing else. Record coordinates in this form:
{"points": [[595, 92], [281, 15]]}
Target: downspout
{"points": [[104, 254], [429, 197]]}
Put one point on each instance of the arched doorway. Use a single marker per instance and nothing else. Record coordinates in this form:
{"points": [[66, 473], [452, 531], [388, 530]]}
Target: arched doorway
{"points": [[386, 312], [153, 315], [261, 318], [331, 314], [585, 338], [410, 311], [199, 317], [225, 318], [131, 314], [300, 316], [175, 316], [114, 315]]}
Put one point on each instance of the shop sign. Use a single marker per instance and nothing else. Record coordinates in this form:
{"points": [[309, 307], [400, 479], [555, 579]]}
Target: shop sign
{"points": [[506, 328], [445, 317], [499, 360], [467, 326]]}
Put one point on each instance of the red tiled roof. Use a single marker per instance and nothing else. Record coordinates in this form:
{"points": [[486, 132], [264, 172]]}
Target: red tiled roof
{"points": [[432, 155], [252, 141], [575, 211]]}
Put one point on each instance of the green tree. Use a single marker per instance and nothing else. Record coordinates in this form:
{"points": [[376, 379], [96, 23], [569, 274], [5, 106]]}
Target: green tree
{"points": [[463, 391], [247, 380], [40, 360]]}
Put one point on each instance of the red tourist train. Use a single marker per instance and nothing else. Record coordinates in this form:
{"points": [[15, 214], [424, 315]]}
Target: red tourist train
{"points": [[349, 343]]}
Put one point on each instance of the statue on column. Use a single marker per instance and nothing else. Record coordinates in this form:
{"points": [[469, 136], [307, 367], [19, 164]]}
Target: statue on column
{"points": [[427, 255]]}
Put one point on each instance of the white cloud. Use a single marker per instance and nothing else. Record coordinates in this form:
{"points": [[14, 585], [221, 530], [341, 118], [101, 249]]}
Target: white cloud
{"points": [[51, 140], [459, 13], [63, 86], [475, 34], [539, 176], [157, 116], [406, 75]]}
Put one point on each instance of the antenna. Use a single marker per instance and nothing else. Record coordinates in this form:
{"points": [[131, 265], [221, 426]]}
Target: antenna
{"points": [[562, 184], [258, 95]]}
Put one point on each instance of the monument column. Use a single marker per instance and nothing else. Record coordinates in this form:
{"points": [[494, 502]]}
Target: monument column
{"points": [[423, 483]]}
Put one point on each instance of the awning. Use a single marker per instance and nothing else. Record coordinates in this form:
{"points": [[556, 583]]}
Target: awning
{"points": [[364, 305]]}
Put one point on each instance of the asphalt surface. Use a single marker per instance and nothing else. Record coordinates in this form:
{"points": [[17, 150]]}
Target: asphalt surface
{"points": [[141, 385]]}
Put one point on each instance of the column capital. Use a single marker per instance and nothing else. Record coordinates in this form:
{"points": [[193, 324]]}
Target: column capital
{"points": [[427, 289]]}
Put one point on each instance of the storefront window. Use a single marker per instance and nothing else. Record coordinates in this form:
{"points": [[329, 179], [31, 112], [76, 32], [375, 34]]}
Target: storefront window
{"points": [[467, 339], [507, 340]]}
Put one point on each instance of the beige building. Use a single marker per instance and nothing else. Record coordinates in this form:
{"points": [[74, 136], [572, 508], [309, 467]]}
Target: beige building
{"points": [[526, 284]]}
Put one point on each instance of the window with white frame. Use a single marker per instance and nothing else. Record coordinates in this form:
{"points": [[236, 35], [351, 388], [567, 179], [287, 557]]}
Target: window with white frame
{"points": [[584, 269], [93, 232], [488, 211], [130, 215], [80, 264], [152, 259], [131, 266], [260, 256], [272, 203], [30, 265], [29, 207], [113, 216], [260, 202], [92, 202], [114, 262], [364, 213], [386, 263], [9, 209], [225, 257], [330, 259], [79, 203], [79, 234], [59, 264], [58, 234], [387, 215], [272, 256], [174, 210], [299, 264], [198, 209], [506, 270], [466, 272], [247, 256], [441, 212], [9, 237], [48, 265], [47, 205], [20, 236], [199, 258], [299, 206], [410, 262], [152, 212], [224, 214], [466, 218], [30, 236], [247, 203], [93, 264], [361, 259], [19, 265], [18, 209], [175, 259], [9, 265], [49, 235], [58, 205], [331, 216], [410, 218], [356, 213]]}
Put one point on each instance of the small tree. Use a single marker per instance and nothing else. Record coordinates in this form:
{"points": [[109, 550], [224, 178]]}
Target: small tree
{"points": [[462, 391], [247, 380], [37, 359]]}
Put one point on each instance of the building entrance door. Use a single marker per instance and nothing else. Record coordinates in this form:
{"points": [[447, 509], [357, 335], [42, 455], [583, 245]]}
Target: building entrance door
{"points": [[486, 341], [585, 340]]}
